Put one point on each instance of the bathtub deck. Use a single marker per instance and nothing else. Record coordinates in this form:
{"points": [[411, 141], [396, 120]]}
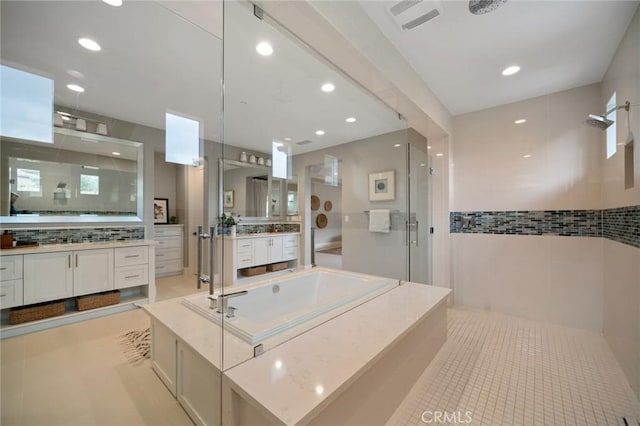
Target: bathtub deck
{"points": [[295, 382]]}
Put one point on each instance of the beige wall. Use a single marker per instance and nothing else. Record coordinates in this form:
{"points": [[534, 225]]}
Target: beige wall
{"points": [[165, 181], [546, 278], [622, 262]]}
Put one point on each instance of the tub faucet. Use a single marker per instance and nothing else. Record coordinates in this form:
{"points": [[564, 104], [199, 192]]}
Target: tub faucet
{"points": [[222, 301]]}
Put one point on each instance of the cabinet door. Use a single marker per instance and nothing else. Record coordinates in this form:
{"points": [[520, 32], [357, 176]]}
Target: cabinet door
{"points": [[164, 348], [48, 276], [261, 251], [93, 271], [198, 387], [276, 249]]}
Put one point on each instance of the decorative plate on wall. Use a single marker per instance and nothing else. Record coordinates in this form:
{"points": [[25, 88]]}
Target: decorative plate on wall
{"points": [[328, 205], [321, 221], [315, 202]]}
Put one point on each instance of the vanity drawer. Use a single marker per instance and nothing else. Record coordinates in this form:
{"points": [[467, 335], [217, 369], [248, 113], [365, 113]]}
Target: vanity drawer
{"points": [[164, 254], [244, 261], [126, 256], [170, 266], [167, 242], [245, 247], [168, 231], [10, 267], [131, 276], [290, 253], [11, 293], [290, 241]]}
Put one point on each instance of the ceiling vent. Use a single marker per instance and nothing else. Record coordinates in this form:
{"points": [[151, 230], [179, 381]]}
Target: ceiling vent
{"points": [[409, 14], [305, 142]]}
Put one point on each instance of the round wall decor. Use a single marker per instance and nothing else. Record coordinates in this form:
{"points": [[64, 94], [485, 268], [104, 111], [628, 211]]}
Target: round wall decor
{"points": [[315, 202], [321, 221], [328, 205]]}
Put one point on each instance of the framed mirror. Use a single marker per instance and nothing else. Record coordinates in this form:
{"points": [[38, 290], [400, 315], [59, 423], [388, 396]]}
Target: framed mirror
{"points": [[80, 177]]}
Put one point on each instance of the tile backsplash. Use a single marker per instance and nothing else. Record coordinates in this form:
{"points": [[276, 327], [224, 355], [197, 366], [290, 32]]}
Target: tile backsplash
{"points": [[619, 224], [78, 235]]}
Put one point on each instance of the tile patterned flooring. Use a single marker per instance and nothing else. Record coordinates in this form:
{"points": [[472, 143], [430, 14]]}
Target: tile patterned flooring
{"points": [[503, 370], [509, 371]]}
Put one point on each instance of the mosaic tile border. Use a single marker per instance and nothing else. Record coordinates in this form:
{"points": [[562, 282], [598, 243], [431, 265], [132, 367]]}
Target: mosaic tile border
{"points": [[622, 225], [619, 224], [78, 235], [267, 227]]}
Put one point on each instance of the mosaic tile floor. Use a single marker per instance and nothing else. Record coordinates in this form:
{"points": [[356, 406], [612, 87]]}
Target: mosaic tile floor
{"points": [[500, 370]]}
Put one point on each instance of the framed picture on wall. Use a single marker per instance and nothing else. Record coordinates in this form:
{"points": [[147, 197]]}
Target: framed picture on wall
{"points": [[160, 210], [382, 186], [228, 199]]}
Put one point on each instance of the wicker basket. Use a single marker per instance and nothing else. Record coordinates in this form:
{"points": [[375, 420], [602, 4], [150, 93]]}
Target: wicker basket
{"points": [[277, 266], [36, 312], [93, 301], [256, 270]]}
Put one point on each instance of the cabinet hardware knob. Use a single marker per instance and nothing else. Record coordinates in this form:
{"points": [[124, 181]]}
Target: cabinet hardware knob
{"points": [[3, 268], [132, 276]]}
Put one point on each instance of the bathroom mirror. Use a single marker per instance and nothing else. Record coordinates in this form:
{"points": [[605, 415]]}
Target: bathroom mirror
{"points": [[251, 191], [79, 177]]}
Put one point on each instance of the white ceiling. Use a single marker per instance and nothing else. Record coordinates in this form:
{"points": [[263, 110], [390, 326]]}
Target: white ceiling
{"points": [[153, 60], [460, 56]]}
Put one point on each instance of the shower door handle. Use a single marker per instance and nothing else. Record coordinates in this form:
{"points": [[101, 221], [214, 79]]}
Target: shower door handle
{"points": [[212, 253], [200, 278]]}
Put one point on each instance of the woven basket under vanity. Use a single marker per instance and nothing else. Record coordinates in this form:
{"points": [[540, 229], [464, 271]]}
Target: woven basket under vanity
{"points": [[256, 270], [36, 312], [277, 266], [93, 301]]}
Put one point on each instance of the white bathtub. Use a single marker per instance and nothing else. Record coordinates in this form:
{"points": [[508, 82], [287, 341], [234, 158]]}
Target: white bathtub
{"points": [[273, 306]]}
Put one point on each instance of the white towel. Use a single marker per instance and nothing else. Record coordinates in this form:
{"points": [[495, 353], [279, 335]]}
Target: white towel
{"points": [[379, 220]]}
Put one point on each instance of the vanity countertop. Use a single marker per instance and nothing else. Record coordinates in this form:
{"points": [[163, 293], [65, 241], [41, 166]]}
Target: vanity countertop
{"points": [[51, 248], [259, 235]]}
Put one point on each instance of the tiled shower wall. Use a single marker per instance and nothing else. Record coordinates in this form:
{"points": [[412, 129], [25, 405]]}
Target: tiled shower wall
{"points": [[619, 224]]}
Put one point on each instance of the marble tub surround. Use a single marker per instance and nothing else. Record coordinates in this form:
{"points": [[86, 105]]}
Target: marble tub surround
{"points": [[296, 381], [74, 235], [301, 378]]}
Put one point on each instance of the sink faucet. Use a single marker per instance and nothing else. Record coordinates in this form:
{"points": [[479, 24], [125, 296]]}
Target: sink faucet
{"points": [[222, 301]]}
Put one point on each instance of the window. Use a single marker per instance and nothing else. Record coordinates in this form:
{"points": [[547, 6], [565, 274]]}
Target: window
{"points": [[182, 143], [28, 180], [281, 153], [89, 185], [611, 130], [26, 108]]}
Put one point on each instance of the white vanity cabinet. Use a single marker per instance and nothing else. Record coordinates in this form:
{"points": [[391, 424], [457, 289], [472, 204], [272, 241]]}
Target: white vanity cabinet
{"points": [[58, 275], [11, 288], [48, 276], [169, 259], [248, 251]]}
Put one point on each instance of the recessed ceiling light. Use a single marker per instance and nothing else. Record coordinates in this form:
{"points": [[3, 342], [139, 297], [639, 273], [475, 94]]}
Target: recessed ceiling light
{"points": [[89, 44], [287, 139], [526, 156], [264, 48], [429, 147], [396, 145], [115, 153], [511, 70], [350, 120], [520, 121], [439, 154], [75, 88], [328, 87], [116, 3], [319, 390], [75, 74], [319, 132], [422, 164]]}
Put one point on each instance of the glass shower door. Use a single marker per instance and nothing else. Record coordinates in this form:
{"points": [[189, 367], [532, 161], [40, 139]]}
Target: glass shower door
{"points": [[419, 215]]}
